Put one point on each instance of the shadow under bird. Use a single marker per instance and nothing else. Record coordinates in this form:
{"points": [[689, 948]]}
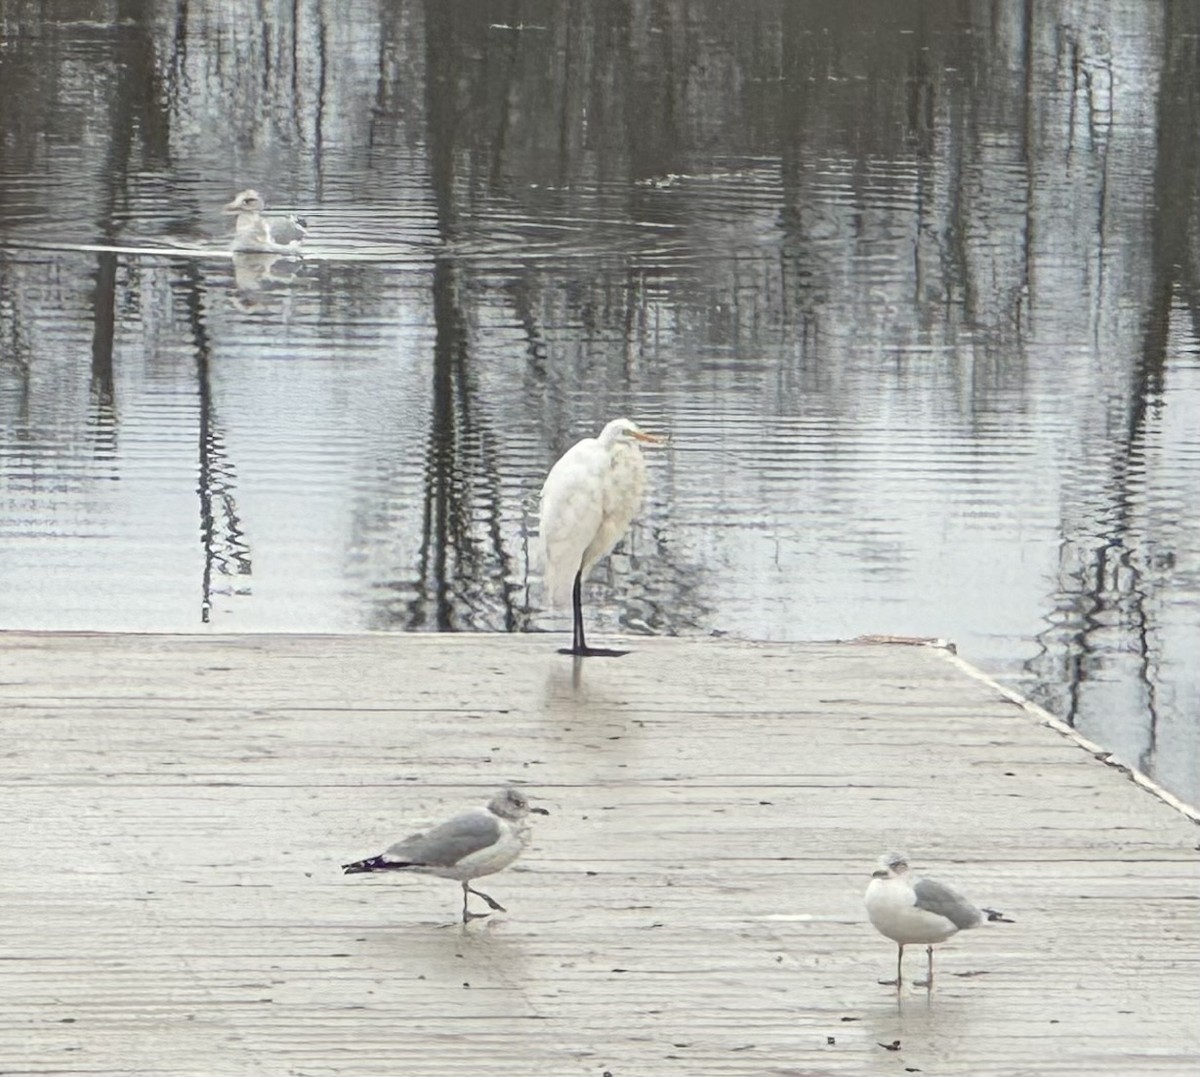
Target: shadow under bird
{"points": [[588, 501], [255, 232], [917, 911], [477, 842]]}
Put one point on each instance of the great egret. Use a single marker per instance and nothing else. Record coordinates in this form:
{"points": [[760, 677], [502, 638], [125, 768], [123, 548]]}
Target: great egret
{"points": [[474, 843], [264, 235], [588, 501], [921, 911]]}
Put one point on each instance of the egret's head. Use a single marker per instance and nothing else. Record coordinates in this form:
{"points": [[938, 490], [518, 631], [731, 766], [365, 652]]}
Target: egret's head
{"points": [[890, 865], [248, 201], [629, 431]]}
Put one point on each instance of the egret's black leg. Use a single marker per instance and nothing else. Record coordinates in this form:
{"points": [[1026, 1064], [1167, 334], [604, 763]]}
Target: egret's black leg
{"points": [[578, 643], [579, 647]]}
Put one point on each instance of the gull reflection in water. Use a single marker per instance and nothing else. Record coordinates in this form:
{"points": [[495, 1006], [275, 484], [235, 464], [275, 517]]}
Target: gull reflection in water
{"points": [[253, 277]]}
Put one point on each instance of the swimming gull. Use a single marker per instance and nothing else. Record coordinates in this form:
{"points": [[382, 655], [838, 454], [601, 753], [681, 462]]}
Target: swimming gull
{"points": [[256, 232], [474, 843], [916, 910]]}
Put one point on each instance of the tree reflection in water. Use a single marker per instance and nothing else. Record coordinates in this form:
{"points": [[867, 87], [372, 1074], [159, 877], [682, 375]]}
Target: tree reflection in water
{"points": [[916, 297]]}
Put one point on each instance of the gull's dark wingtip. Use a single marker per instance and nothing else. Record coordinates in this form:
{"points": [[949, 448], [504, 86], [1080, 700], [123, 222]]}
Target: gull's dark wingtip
{"points": [[996, 917], [370, 864]]}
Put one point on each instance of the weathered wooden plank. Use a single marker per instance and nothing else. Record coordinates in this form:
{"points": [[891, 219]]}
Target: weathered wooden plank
{"points": [[693, 905]]}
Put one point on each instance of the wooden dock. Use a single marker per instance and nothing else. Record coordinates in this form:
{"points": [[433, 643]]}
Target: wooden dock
{"points": [[176, 808]]}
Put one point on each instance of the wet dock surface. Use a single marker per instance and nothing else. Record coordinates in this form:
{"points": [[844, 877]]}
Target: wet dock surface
{"points": [[178, 807]]}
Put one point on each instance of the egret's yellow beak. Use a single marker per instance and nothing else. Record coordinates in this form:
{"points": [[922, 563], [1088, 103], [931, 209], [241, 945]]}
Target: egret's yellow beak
{"points": [[649, 439]]}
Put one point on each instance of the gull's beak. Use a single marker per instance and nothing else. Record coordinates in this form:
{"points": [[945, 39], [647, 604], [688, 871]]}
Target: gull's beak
{"points": [[879, 873], [540, 811], [232, 207], [649, 439]]}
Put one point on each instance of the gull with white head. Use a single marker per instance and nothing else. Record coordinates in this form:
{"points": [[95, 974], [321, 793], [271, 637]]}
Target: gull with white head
{"points": [[473, 843], [911, 910], [260, 234]]}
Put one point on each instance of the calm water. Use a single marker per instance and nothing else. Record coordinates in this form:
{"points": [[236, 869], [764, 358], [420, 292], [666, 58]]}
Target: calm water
{"points": [[914, 288]]}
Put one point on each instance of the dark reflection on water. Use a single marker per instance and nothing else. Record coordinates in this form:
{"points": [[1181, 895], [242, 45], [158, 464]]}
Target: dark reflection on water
{"points": [[913, 286]]}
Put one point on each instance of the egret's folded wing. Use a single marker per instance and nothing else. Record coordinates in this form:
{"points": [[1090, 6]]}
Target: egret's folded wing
{"points": [[572, 509]]}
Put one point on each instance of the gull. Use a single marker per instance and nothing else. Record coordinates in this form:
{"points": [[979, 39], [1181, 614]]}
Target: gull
{"points": [[915, 910], [473, 843], [262, 234]]}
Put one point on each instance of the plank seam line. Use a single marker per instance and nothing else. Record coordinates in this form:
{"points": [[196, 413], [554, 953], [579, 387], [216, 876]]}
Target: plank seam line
{"points": [[1098, 751]]}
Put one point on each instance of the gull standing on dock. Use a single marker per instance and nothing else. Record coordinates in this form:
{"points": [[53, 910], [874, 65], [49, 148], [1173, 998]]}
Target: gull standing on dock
{"points": [[918, 911], [588, 501], [474, 843], [259, 234]]}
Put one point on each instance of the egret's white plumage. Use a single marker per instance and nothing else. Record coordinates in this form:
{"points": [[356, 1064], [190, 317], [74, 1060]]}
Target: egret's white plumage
{"points": [[257, 233], [913, 910], [473, 843], [588, 501]]}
